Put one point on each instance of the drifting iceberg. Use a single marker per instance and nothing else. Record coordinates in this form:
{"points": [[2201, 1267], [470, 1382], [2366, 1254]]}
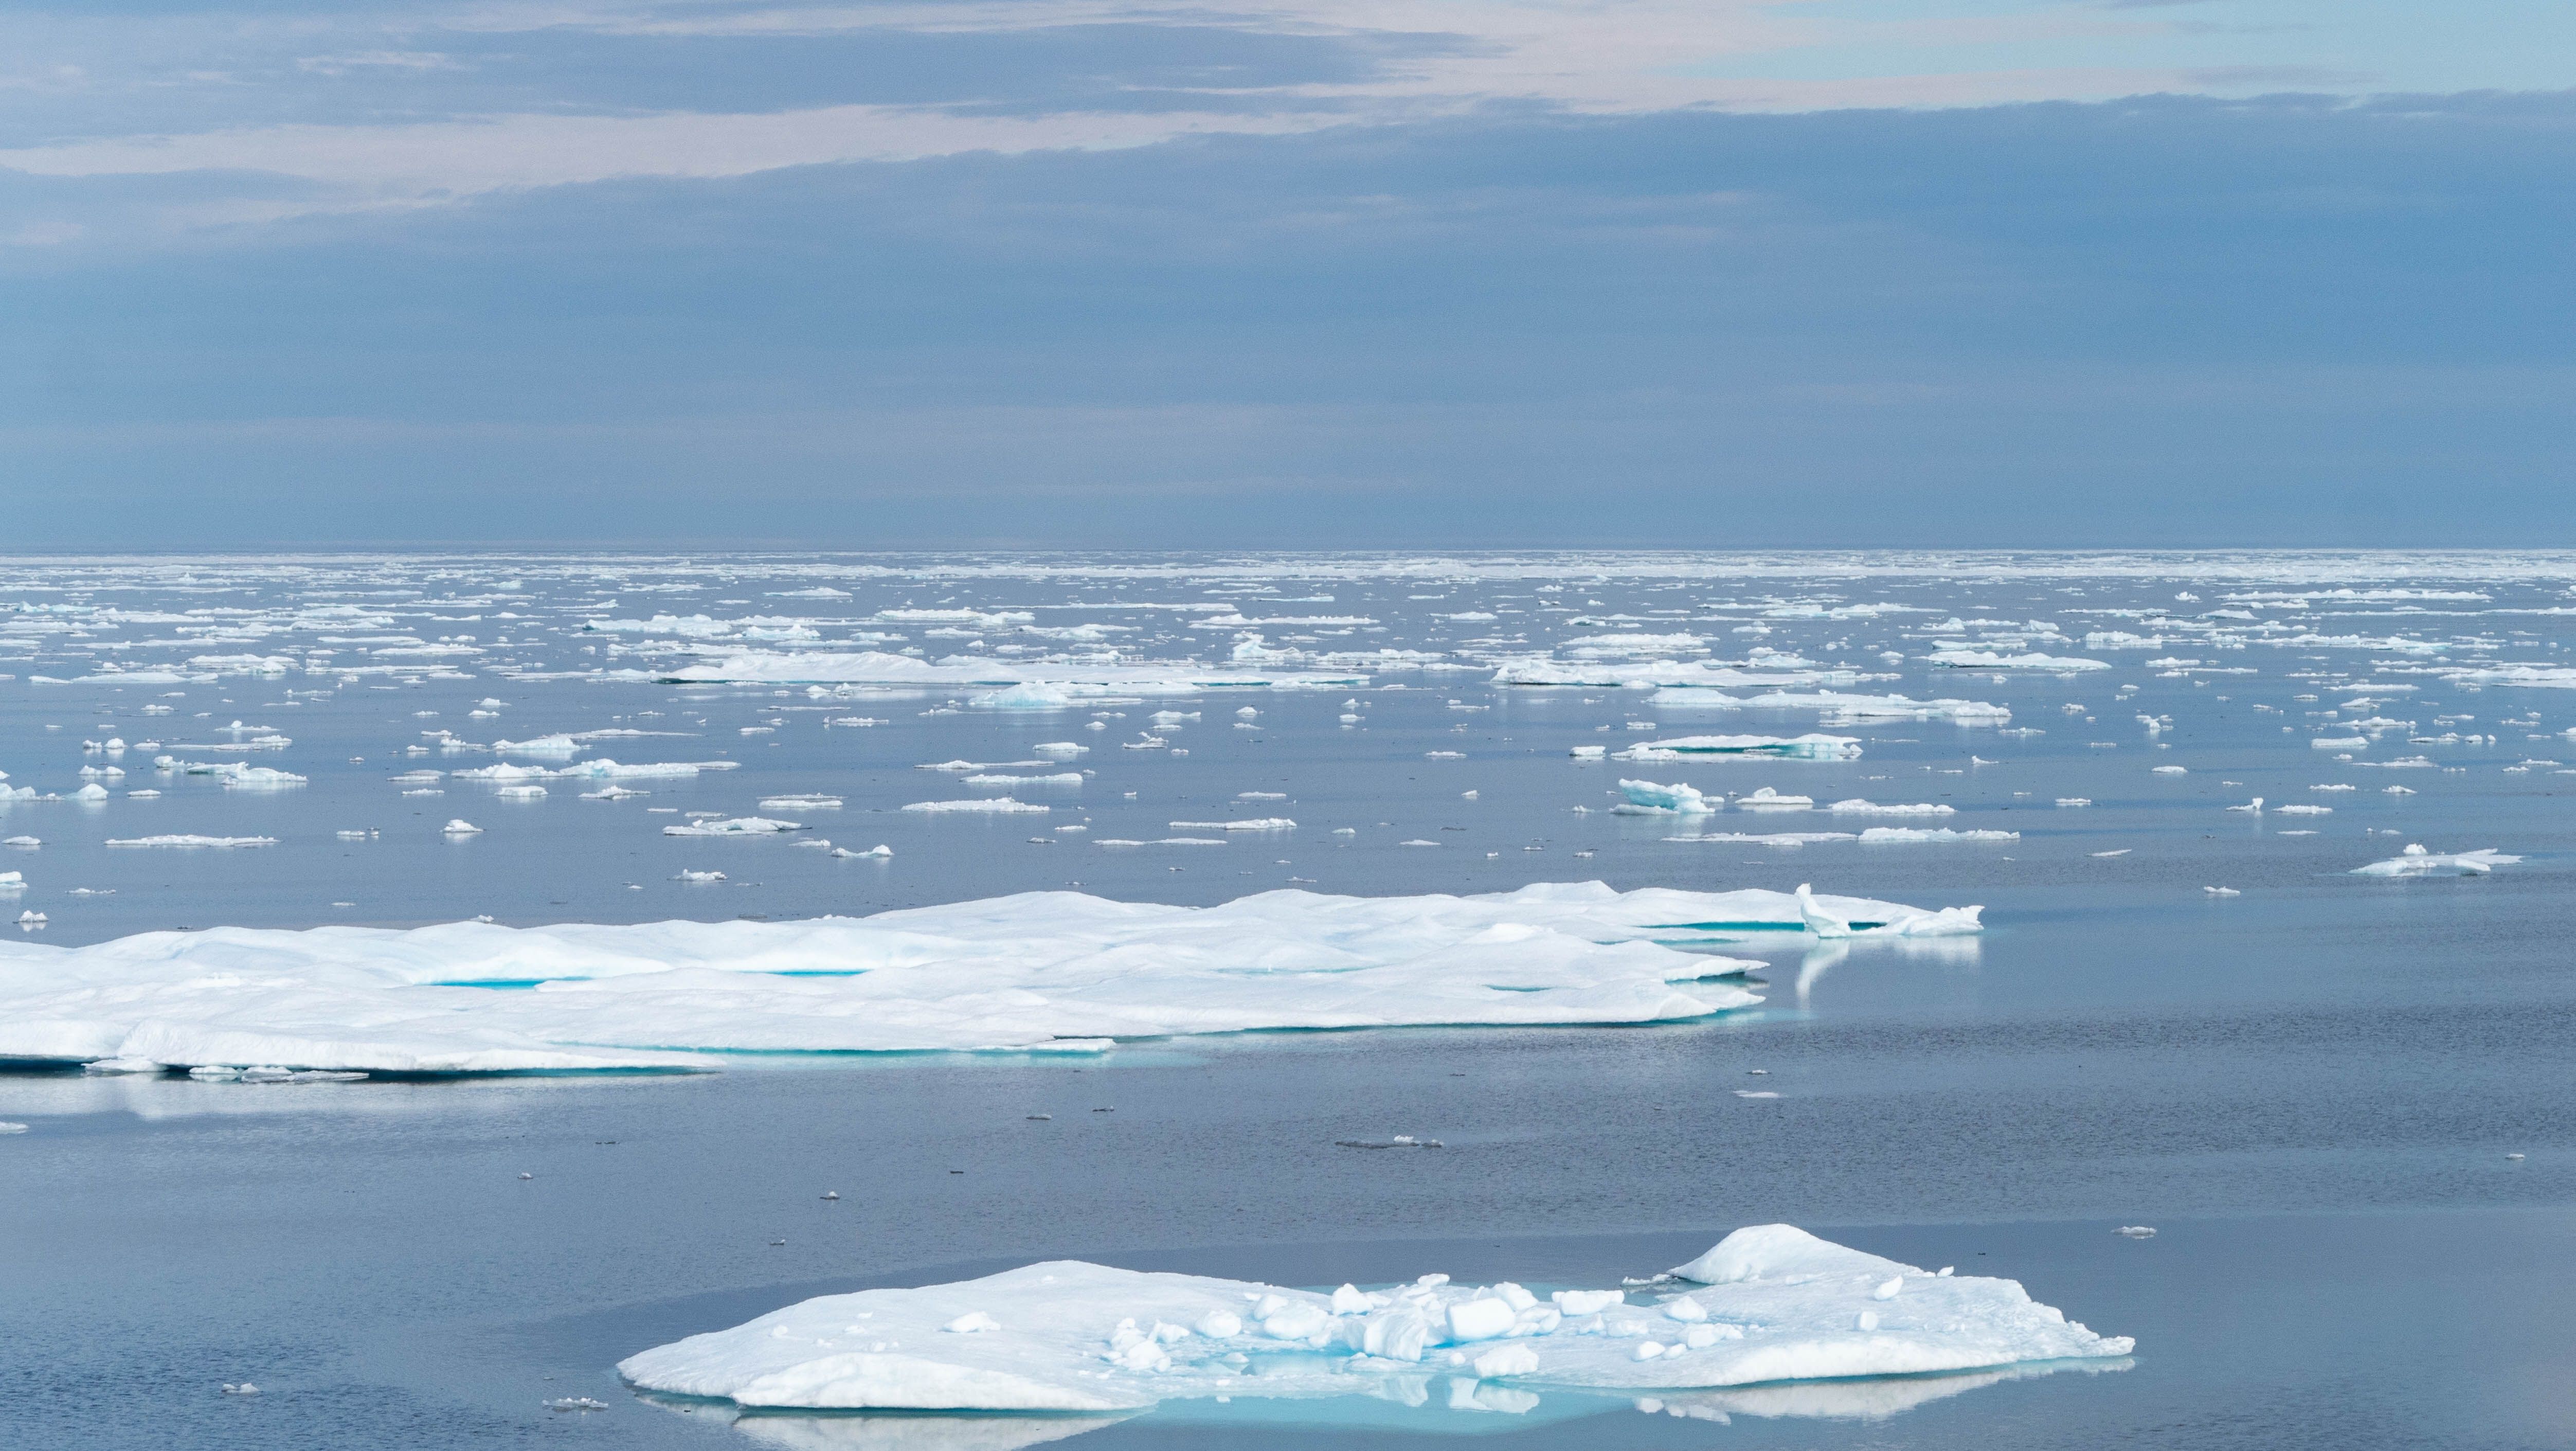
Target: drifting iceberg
{"points": [[1769, 1303], [1057, 970]]}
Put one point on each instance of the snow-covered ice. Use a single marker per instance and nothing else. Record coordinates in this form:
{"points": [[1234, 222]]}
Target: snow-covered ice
{"points": [[2415, 861], [1050, 969], [1768, 1304]]}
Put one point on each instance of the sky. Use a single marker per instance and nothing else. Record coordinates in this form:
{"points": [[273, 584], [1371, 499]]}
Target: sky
{"points": [[1306, 274]]}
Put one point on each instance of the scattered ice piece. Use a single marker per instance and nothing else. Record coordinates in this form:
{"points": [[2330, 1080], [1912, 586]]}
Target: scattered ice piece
{"points": [[8, 1127], [800, 803], [1255, 823], [1647, 798], [2135, 1231], [194, 841], [2255, 806], [242, 1388], [2121, 851], [687, 875], [459, 826], [1897, 835], [2171, 770], [1769, 799], [2222, 891], [574, 1403]]}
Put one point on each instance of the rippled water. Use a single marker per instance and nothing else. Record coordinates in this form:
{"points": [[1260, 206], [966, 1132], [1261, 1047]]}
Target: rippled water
{"points": [[2310, 1089]]}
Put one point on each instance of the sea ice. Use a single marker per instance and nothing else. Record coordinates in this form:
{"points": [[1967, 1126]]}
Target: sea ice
{"points": [[1769, 1303], [1860, 807], [1810, 747], [214, 841], [733, 826], [2415, 861], [1647, 798], [1988, 660], [1047, 969], [1001, 804]]}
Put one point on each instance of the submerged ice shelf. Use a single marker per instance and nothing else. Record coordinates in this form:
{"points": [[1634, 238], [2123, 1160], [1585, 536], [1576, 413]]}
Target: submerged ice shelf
{"points": [[1768, 1304], [1057, 971]]}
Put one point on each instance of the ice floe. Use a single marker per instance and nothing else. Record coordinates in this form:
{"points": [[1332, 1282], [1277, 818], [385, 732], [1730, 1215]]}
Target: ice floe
{"points": [[1768, 1304], [2415, 861], [1057, 970], [733, 826], [1810, 747]]}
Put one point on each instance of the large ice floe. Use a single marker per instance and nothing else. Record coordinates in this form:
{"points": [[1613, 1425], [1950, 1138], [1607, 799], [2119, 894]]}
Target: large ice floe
{"points": [[1768, 1304], [1047, 971]]}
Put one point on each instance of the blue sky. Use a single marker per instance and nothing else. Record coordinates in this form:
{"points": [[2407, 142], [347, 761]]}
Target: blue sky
{"points": [[1438, 272]]}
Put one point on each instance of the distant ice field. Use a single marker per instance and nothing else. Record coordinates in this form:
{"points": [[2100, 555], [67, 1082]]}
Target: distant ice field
{"points": [[1161, 912]]}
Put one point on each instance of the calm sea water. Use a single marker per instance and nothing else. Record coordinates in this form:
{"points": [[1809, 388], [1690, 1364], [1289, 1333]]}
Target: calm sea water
{"points": [[2310, 1089]]}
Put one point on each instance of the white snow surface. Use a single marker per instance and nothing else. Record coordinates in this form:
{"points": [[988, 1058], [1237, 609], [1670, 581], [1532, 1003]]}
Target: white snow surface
{"points": [[1069, 1336], [1056, 970]]}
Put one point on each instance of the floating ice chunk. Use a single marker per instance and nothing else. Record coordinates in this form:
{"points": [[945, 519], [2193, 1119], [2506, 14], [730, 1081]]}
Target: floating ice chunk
{"points": [[1647, 798], [1764, 838], [2170, 770], [7, 1127], [2339, 743], [2255, 806], [2398, 790], [1988, 660], [1059, 748], [31, 918], [733, 826], [459, 826], [195, 841], [879, 850], [1860, 807], [521, 793], [1588, 753], [800, 803], [614, 792], [1768, 799], [1810, 747], [1045, 1352], [685, 874], [23, 843], [1817, 920], [2415, 861], [1255, 823], [2135, 1231], [2222, 891], [12, 881], [997, 804], [2303, 810], [557, 745], [1904, 835], [1066, 778], [1027, 695]]}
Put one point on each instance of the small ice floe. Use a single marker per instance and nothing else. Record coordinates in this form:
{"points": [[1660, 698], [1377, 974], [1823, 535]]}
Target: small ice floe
{"points": [[521, 793], [240, 1388], [1810, 747], [997, 804], [23, 843], [2415, 861], [2508, 1157], [1926, 835], [880, 850], [8, 1127], [2397, 790], [1589, 753], [1255, 823], [2222, 891], [1858, 806], [1399, 1141], [733, 826], [686, 875], [2339, 743], [1768, 799], [459, 826], [2301, 809], [1770, 1303], [2122, 851], [2171, 770], [2135, 1231], [194, 841], [2255, 806], [800, 803], [1755, 1093], [615, 792], [831, 1193], [575, 1403]]}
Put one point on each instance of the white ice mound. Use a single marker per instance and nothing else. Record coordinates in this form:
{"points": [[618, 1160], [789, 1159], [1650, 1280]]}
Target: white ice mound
{"points": [[1071, 1336], [733, 826], [1837, 705], [1809, 747], [1648, 798], [1057, 970], [2415, 861]]}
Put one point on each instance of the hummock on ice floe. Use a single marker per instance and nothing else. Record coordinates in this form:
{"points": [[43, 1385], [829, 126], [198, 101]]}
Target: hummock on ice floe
{"points": [[1060, 971], [1770, 1303]]}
